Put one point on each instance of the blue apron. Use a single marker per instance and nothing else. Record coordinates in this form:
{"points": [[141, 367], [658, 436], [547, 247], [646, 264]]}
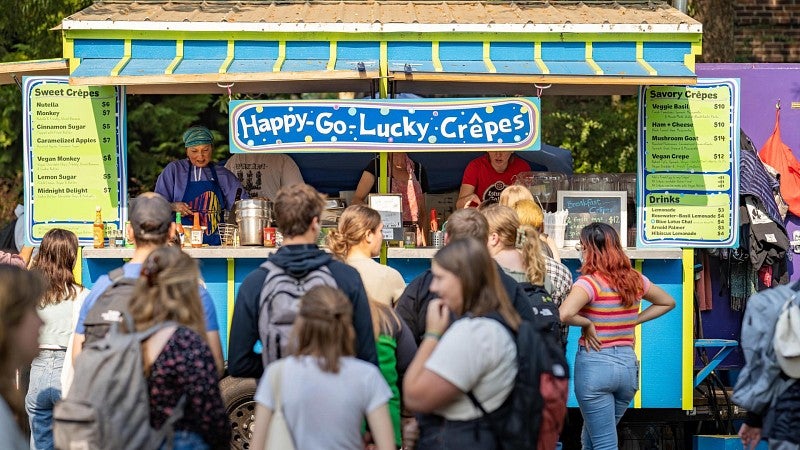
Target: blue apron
{"points": [[205, 197]]}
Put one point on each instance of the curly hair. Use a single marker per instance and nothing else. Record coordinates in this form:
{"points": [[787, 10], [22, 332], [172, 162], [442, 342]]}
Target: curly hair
{"points": [[604, 256], [354, 224], [55, 261]]}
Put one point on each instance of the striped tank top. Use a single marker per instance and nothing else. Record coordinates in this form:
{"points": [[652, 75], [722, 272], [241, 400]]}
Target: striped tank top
{"points": [[614, 323]]}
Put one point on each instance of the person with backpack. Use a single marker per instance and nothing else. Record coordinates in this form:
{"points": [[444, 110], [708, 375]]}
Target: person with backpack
{"points": [[473, 356], [518, 251], [20, 294], [62, 300], [177, 359], [356, 241], [321, 391], [266, 304], [604, 302], [413, 304], [151, 225], [151, 381]]}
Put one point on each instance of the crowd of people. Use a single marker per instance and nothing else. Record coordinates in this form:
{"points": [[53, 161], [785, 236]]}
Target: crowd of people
{"points": [[351, 355]]}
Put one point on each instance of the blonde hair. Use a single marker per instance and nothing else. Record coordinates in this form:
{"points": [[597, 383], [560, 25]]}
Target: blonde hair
{"points": [[504, 221], [384, 319], [168, 290], [514, 193], [354, 224], [324, 327], [529, 213]]}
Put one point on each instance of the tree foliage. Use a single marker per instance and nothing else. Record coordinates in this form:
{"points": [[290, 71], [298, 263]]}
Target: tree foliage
{"points": [[600, 132]]}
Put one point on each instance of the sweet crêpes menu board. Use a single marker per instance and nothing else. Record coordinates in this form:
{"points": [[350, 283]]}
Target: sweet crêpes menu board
{"points": [[73, 159], [688, 164]]}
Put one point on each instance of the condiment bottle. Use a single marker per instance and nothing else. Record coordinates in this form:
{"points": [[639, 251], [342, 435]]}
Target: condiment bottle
{"points": [[98, 230], [197, 232], [179, 229], [434, 221]]}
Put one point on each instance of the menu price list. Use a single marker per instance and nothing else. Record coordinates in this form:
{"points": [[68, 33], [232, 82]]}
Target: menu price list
{"points": [[74, 152], [686, 216], [688, 129]]}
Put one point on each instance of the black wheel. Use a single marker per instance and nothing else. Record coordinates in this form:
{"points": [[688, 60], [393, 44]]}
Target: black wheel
{"points": [[237, 396]]}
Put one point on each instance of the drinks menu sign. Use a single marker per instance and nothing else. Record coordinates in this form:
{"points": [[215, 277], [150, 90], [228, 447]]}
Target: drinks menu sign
{"points": [[510, 124], [73, 137], [688, 175]]}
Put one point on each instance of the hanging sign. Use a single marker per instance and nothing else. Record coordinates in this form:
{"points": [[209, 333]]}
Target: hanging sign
{"points": [[385, 125], [73, 141], [688, 175]]}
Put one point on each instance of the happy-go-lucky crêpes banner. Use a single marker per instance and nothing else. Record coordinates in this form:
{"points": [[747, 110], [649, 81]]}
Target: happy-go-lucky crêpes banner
{"points": [[258, 126]]}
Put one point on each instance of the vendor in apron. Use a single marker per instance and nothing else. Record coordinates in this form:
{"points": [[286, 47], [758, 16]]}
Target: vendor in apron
{"points": [[196, 185]]}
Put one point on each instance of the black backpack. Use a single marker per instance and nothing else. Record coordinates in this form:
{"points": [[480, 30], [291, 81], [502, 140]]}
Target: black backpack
{"points": [[7, 237], [545, 310], [540, 390], [110, 307]]}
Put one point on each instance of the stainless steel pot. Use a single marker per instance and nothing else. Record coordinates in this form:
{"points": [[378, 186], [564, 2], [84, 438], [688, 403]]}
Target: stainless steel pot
{"points": [[252, 215]]}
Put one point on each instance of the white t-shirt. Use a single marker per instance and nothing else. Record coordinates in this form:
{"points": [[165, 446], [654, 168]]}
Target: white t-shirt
{"points": [[383, 284], [325, 410], [262, 174], [478, 355]]}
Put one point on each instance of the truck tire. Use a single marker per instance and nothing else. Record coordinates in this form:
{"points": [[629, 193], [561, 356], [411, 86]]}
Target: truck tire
{"points": [[237, 396]]}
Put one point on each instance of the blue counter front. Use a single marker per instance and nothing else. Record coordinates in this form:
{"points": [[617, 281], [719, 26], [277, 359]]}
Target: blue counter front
{"points": [[664, 346]]}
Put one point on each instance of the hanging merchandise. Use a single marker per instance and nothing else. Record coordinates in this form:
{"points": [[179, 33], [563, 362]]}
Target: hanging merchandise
{"points": [[780, 157]]}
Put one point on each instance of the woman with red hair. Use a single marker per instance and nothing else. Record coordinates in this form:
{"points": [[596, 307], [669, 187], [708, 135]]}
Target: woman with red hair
{"points": [[604, 302]]}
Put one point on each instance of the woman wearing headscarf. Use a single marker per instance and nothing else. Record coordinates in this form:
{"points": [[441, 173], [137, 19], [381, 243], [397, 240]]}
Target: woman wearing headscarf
{"points": [[406, 178], [196, 185]]}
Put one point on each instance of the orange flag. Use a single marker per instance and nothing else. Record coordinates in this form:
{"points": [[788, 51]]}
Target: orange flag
{"points": [[779, 156]]}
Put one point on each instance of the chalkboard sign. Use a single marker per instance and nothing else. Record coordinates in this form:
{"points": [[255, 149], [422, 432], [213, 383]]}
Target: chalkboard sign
{"points": [[586, 207]]}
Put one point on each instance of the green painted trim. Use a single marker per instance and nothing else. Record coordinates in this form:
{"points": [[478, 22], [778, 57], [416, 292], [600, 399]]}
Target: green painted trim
{"points": [[383, 70], [281, 57], [68, 47], [689, 58], [178, 58], [230, 297], [590, 61], [125, 59], [640, 59], [487, 46], [687, 338], [332, 58], [223, 68]]}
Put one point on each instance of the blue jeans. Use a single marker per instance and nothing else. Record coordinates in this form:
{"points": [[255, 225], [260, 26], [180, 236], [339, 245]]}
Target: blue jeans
{"points": [[186, 440], [605, 383], [43, 393]]}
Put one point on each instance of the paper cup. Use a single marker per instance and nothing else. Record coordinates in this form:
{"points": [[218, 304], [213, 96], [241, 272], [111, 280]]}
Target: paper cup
{"points": [[558, 234]]}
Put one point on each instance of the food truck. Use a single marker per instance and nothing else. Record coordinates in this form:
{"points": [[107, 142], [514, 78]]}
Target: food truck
{"points": [[457, 55]]}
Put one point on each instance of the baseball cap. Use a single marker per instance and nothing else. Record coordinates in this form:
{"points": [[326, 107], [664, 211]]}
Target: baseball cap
{"points": [[150, 215], [787, 340]]}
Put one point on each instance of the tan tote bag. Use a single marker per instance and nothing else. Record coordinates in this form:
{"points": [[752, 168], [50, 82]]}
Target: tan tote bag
{"points": [[278, 435]]}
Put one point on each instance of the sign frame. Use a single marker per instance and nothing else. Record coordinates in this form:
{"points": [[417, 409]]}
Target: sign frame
{"points": [[120, 139], [390, 207], [683, 193], [621, 196], [385, 125]]}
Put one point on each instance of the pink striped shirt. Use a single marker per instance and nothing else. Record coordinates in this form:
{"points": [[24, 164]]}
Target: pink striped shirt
{"points": [[614, 323]]}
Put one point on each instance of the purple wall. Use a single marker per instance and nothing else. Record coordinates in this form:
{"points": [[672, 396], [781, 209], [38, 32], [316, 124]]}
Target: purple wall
{"points": [[762, 85]]}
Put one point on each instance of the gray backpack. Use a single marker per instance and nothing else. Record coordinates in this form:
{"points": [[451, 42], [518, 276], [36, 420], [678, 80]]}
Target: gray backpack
{"points": [[279, 304], [759, 382], [108, 407]]}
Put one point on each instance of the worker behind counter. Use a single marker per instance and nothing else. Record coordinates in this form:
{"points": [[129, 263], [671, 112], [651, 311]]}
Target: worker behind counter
{"points": [[486, 176], [262, 174], [406, 177], [195, 185]]}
